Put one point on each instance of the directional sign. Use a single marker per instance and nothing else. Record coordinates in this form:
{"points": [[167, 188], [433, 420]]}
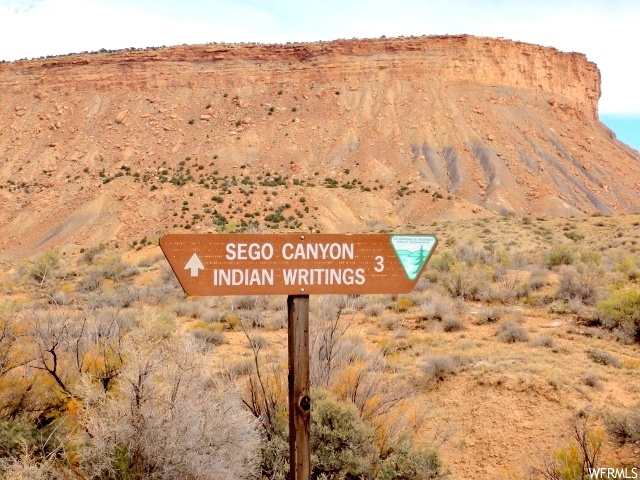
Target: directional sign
{"points": [[290, 264]]}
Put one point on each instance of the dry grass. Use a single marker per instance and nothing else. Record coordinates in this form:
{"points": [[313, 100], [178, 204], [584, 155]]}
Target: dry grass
{"points": [[471, 346]]}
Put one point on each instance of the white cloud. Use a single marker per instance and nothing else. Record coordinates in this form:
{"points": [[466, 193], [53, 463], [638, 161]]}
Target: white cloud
{"points": [[605, 30]]}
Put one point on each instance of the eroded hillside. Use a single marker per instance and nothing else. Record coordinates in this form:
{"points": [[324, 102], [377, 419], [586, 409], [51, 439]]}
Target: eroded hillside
{"points": [[350, 135]]}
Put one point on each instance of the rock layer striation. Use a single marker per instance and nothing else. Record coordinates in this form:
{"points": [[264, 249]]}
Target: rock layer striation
{"points": [[96, 147]]}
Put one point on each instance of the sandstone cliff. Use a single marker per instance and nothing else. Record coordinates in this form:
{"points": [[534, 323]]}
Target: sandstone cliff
{"points": [[109, 146]]}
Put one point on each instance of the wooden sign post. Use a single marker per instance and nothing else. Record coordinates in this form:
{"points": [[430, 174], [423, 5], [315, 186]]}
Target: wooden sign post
{"points": [[299, 394], [297, 265]]}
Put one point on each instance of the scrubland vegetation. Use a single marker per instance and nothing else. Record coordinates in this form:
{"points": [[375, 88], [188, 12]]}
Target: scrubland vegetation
{"points": [[108, 371]]}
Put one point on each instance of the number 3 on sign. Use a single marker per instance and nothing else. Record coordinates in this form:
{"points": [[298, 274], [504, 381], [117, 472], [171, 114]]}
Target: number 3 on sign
{"points": [[379, 263]]}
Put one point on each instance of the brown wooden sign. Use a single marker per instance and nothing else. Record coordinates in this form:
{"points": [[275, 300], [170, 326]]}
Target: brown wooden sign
{"points": [[297, 264]]}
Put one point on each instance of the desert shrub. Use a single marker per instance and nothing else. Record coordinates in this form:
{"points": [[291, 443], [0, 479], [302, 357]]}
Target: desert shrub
{"points": [[621, 313], [344, 447], [561, 255], [581, 283], [342, 444], [19, 436], [489, 315], [107, 266], [212, 337], [452, 324], [373, 310], [403, 304], [539, 278], [591, 258], [147, 262], [246, 366], [627, 265], [511, 332], [211, 315], [113, 268], [402, 463], [390, 322], [253, 319], [91, 281], [436, 368], [624, 426], [169, 418], [472, 255], [563, 307], [507, 289], [277, 321], [45, 267], [578, 458], [591, 380], [394, 344], [30, 467], [604, 358], [187, 308], [467, 283], [547, 342], [442, 262], [89, 254], [117, 296], [357, 303], [573, 235], [232, 320], [275, 456], [61, 298], [437, 306], [257, 342], [167, 283], [247, 302], [426, 280], [352, 349]]}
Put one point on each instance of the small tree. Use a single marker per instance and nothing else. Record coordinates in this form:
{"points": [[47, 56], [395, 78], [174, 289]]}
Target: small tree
{"points": [[419, 261]]}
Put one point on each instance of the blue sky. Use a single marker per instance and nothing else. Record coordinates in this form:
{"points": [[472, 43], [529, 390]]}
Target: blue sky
{"points": [[607, 31]]}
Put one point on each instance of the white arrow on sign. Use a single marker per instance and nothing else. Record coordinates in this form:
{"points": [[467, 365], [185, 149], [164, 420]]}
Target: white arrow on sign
{"points": [[194, 264]]}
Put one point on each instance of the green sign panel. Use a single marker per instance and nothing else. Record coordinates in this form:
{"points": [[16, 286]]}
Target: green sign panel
{"points": [[413, 251]]}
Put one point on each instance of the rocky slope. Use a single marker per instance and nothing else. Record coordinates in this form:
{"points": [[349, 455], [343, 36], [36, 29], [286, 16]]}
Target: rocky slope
{"points": [[351, 135]]}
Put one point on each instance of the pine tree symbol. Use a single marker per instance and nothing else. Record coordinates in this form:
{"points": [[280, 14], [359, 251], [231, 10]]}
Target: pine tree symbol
{"points": [[422, 256]]}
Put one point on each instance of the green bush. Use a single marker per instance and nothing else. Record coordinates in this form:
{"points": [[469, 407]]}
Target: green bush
{"points": [[469, 283], [342, 445], [561, 255], [45, 266], [443, 262], [275, 456], [489, 315], [575, 236], [405, 464], [621, 313], [19, 436]]}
